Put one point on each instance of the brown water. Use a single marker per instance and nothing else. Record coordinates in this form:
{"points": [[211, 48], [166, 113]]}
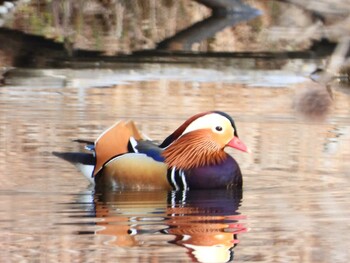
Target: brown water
{"points": [[294, 206]]}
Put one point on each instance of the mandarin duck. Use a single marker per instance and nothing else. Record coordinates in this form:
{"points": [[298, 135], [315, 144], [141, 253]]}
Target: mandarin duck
{"points": [[192, 157]]}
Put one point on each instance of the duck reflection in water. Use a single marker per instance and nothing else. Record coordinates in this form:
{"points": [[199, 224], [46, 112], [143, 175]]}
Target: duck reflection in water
{"points": [[204, 222]]}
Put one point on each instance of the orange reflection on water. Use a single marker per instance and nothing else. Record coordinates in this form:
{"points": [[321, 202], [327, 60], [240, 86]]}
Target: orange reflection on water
{"points": [[205, 223]]}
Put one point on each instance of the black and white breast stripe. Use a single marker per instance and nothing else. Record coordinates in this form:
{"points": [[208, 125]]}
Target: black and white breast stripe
{"points": [[177, 179]]}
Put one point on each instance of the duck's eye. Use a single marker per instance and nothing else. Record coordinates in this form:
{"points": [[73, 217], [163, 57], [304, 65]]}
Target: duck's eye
{"points": [[218, 128]]}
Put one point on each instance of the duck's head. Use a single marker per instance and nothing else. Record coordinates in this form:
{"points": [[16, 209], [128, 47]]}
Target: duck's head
{"points": [[201, 140]]}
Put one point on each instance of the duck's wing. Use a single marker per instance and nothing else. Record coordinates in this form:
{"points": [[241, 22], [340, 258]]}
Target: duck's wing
{"points": [[147, 147], [142, 167], [123, 139], [114, 142], [133, 171]]}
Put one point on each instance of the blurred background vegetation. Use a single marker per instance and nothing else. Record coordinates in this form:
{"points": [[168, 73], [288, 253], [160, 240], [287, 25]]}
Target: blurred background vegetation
{"points": [[116, 27], [121, 26]]}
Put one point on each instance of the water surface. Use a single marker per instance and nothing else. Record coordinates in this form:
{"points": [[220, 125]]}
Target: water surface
{"points": [[293, 208]]}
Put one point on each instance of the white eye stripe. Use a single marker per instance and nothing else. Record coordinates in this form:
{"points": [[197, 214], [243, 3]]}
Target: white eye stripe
{"points": [[210, 121]]}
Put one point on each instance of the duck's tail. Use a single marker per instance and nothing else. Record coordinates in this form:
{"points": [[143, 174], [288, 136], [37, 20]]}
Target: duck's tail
{"points": [[85, 162]]}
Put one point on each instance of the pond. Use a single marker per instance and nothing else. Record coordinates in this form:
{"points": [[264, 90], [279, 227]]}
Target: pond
{"points": [[293, 207]]}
